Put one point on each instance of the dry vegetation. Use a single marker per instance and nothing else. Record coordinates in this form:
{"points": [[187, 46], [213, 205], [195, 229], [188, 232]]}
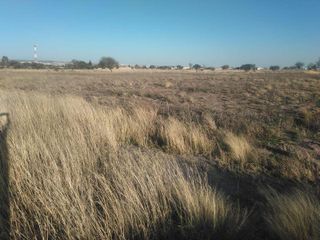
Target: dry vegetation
{"points": [[294, 215], [159, 155], [239, 147], [70, 177]]}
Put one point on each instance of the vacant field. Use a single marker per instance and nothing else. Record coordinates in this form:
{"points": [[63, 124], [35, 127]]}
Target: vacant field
{"points": [[159, 155]]}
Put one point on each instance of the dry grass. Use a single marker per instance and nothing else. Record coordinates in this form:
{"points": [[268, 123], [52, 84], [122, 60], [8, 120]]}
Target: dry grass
{"points": [[168, 84], [239, 147], [310, 118], [71, 176], [293, 216], [126, 166], [313, 72], [136, 126], [185, 138]]}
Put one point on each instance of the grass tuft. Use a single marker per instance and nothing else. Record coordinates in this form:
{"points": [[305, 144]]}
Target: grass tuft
{"points": [[293, 216], [185, 138], [238, 146]]}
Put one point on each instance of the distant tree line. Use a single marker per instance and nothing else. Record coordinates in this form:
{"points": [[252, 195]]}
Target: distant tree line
{"points": [[275, 68], [225, 67], [105, 62], [76, 64], [110, 63], [248, 67], [7, 63], [314, 66], [301, 65], [169, 67]]}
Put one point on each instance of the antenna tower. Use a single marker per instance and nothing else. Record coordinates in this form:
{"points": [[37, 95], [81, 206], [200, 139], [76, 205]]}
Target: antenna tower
{"points": [[35, 54]]}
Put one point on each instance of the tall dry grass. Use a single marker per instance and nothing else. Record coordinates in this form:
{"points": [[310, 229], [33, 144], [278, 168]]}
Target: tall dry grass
{"points": [[239, 152], [185, 138], [75, 175], [238, 146], [293, 215]]}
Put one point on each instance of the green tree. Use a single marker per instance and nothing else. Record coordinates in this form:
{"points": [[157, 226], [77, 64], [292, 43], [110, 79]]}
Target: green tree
{"points": [[5, 61], [312, 66], [108, 62], [179, 67], [225, 67], [248, 67], [14, 64], [299, 65], [274, 68], [318, 63], [79, 64], [196, 66]]}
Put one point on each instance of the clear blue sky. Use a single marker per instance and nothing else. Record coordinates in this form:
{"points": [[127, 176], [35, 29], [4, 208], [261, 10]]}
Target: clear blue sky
{"points": [[163, 32]]}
